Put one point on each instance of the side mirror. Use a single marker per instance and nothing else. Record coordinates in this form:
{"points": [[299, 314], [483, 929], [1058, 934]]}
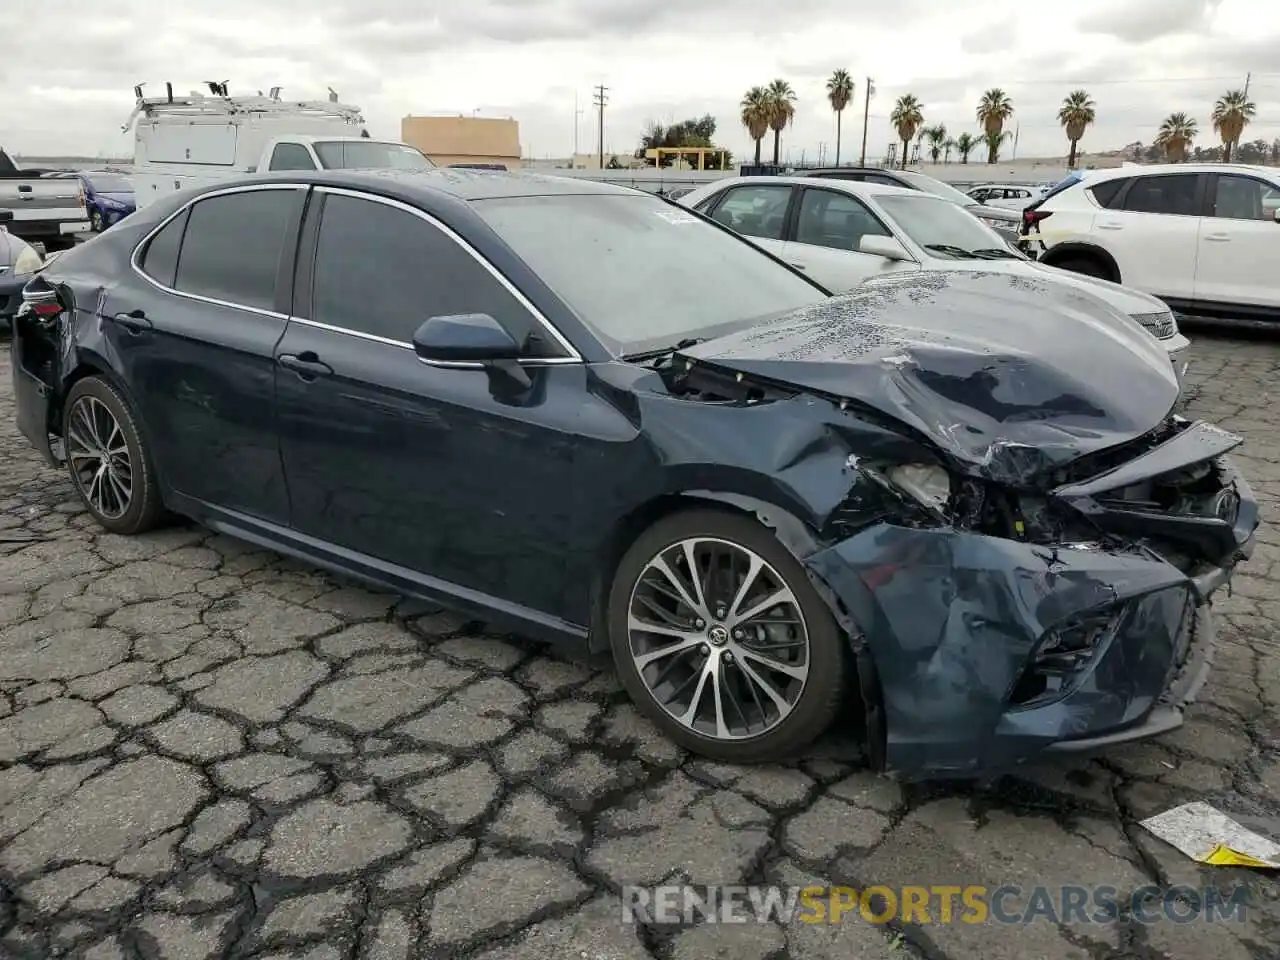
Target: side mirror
{"points": [[6, 216], [886, 247], [465, 338]]}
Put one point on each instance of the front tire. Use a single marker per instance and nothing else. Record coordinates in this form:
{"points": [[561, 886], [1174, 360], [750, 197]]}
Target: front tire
{"points": [[108, 459], [741, 663], [1088, 266]]}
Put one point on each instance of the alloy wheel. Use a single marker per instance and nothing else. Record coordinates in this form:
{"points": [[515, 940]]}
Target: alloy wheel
{"points": [[99, 457], [718, 638]]}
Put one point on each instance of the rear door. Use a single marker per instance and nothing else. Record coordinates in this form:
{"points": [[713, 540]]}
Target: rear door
{"points": [[1151, 229], [758, 211], [824, 236], [1239, 243], [196, 345]]}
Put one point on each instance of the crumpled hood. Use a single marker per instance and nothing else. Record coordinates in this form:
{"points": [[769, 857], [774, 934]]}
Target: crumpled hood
{"points": [[1009, 375]]}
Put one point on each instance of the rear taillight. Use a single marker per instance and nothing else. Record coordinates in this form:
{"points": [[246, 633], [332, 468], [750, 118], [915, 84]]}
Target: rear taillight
{"points": [[80, 197], [40, 298], [1032, 217]]}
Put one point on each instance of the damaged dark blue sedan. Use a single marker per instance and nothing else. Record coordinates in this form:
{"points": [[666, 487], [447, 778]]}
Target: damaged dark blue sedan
{"points": [[963, 503]]}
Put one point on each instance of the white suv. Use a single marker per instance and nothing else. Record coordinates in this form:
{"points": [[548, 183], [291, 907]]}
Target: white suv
{"points": [[1203, 237]]}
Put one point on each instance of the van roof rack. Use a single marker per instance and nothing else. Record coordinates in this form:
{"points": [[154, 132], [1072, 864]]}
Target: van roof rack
{"points": [[196, 104]]}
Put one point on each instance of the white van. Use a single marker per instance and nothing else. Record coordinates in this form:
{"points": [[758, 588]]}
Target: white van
{"points": [[190, 141]]}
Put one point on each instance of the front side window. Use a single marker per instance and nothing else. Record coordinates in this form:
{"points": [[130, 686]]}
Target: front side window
{"points": [[291, 156], [642, 274], [755, 211], [384, 271], [836, 220], [232, 246], [1243, 198], [1173, 194], [370, 155]]}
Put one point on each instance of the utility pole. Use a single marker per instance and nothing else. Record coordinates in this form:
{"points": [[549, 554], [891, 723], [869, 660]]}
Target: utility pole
{"points": [[577, 123], [866, 111], [1016, 132], [601, 100]]}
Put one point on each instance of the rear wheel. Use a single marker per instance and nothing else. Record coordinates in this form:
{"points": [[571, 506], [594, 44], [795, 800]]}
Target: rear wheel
{"points": [[108, 459], [721, 640], [1089, 266]]}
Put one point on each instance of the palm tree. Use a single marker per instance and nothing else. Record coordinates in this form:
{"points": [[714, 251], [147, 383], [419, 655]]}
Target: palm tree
{"points": [[994, 109], [937, 137], [1077, 111], [995, 139], [907, 117], [782, 107], [839, 93], [966, 143], [1175, 136], [755, 116], [948, 145], [1231, 114]]}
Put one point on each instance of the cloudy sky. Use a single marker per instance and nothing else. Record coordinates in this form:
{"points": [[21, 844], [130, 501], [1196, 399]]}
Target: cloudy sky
{"points": [[663, 61]]}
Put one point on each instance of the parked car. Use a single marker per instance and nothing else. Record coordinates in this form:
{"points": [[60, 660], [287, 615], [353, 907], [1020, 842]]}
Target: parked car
{"points": [[1007, 196], [107, 196], [18, 261], [1005, 221], [842, 233], [46, 211], [654, 438], [1203, 237]]}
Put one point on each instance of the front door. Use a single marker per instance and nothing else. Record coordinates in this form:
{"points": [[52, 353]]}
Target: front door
{"points": [[199, 353], [829, 227], [418, 465], [1239, 244]]}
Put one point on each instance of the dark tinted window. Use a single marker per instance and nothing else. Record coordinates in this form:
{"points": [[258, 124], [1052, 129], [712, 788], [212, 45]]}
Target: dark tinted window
{"points": [[1108, 192], [232, 246], [160, 259], [383, 271], [886, 181], [1173, 194], [291, 156]]}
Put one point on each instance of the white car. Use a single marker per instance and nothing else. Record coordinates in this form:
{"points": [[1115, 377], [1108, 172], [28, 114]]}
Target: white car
{"points": [[1203, 237], [843, 233], [1008, 196]]}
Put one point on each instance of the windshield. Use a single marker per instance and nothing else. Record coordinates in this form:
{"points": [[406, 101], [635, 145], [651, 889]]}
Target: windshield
{"points": [[370, 155], [641, 273], [942, 229], [936, 187], [110, 183]]}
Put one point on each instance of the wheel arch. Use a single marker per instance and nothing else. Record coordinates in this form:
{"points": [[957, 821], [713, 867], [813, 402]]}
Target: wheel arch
{"points": [[1079, 250], [91, 364]]}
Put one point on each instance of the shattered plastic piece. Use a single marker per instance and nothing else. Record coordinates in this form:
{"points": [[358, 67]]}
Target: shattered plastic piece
{"points": [[1207, 835]]}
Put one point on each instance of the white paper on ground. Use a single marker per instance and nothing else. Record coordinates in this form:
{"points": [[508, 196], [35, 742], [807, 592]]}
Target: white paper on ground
{"points": [[1207, 835]]}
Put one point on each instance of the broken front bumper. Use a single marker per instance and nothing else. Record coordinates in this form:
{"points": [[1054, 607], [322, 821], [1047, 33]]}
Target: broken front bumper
{"points": [[959, 627]]}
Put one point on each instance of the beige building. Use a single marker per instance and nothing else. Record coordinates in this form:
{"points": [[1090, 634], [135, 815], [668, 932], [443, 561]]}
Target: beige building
{"points": [[459, 139]]}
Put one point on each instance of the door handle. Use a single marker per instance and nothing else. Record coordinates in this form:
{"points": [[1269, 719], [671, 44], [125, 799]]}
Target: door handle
{"points": [[1218, 237], [306, 365], [798, 266], [1110, 226], [135, 321]]}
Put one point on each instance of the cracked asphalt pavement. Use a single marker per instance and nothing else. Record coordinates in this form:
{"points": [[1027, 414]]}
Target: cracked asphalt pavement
{"points": [[209, 751]]}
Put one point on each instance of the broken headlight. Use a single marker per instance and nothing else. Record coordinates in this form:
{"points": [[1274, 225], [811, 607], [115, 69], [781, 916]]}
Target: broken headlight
{"points": [[927, 484]]}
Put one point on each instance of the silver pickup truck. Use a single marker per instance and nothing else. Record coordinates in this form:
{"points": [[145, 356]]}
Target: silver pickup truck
{"points": [[47, 212]]}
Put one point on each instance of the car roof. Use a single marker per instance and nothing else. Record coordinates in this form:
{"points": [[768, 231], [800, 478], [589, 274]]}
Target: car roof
{"points": [[859, 187], [459, 183], [1156, 169]]}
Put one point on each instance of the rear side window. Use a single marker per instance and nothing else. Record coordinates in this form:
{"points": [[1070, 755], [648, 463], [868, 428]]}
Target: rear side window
{"points": [[1174, 194], [231, 250], [1108, 192], [160, 259], [291, 156]]}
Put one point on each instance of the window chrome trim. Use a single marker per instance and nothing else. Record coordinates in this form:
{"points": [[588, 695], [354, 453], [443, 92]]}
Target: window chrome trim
{"points": [[573, 356], [135, 257]]}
